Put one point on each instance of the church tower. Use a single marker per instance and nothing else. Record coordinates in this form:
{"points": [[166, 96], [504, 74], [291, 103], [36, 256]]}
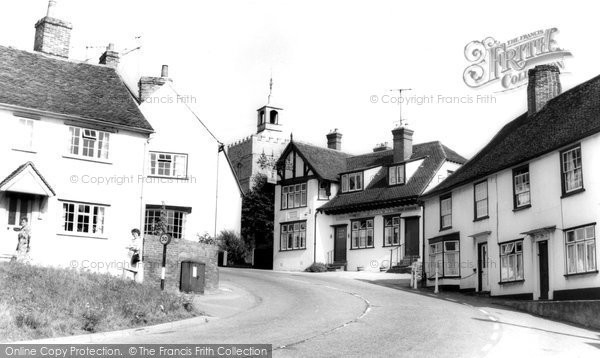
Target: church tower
{"points": [[257, 153]]}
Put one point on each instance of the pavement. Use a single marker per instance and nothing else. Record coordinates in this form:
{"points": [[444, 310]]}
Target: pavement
{"points": [[358, 314]]}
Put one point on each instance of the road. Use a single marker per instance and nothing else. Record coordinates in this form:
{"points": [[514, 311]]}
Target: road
{"points": [[329, 315]]}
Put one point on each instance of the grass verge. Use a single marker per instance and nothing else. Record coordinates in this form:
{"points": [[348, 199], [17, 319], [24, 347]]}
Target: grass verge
{"points": [[42, 302]]}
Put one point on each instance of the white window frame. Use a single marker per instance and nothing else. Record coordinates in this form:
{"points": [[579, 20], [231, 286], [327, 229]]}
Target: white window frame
{"points": [[292, 236], [572, 170], [445, 255], [176, 221], [583, 238], [480, 195], [173, 163], [352, 182], [25, 137], [89, 143], [445, 212], [511, 261], [294, 196], [391, 230], [83, 219], [362, 234], [522, 187], [396, 175]]}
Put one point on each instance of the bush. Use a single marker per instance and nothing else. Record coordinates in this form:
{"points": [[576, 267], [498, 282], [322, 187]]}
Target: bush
{"points": [[236, 248], [316, 267]]}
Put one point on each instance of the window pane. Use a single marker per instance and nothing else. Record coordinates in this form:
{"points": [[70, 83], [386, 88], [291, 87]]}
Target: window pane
{"points": [[392, 173], [580, 256], [571, 259], [519, 267], [591, 256], [451, 262]]}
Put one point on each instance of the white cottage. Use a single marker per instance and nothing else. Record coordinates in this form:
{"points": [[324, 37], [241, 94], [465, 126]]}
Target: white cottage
{"points": [[186, 168], [71, 142], [519, 219]]}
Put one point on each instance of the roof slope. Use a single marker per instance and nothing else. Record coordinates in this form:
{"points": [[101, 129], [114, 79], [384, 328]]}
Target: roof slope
{"points": [[379, 193], [328, 163], [40, 82], [565, 119], [20, 169]]}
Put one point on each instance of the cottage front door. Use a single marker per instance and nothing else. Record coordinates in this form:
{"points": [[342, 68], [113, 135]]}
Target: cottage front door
{"points": [[484, 282], [339, 244], [544, 277], [19, 207]]}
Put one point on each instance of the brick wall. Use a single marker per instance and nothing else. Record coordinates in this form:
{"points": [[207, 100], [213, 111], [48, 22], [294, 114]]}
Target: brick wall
{"points": [[53, 36], [178, 251]]}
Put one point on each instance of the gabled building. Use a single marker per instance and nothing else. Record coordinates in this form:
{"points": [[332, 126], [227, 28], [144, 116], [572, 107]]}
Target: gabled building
{"points": [[71, 142], [519, 219], [357, 212], [186, 168]]}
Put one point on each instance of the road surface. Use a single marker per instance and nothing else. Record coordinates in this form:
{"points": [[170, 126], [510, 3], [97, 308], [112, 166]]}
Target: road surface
{"points": [[329, 315]]}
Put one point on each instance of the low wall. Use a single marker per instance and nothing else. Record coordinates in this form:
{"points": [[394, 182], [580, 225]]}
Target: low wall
{"points": [[177, 252], [584, 313]]}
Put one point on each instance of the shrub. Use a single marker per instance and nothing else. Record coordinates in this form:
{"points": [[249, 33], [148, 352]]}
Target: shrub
{"points": [[316, 267], [236, 248]]}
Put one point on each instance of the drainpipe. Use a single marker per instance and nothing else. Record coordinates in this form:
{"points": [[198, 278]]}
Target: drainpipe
{"points": [[423, 273], [315, 238]]}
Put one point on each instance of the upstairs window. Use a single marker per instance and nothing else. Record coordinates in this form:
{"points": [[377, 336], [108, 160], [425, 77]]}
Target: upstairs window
{"points": [[581, 249], [352, 182], [324, 190], [445, 212], [362, 234], [521, 187], [293, 196], [481, 200], [396, 175], [572, 175], [168, 165], [89, 143], [23, 139], [511, 261]]}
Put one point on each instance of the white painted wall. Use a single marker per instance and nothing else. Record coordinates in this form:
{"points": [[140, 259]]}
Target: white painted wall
{"points": [[548, 209], [114, 183], [172, 122]]}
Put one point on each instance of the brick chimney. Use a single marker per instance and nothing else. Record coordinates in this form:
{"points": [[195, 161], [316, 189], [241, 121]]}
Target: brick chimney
{"points": [[52, 36], [148, 85], [381, 147], [544, 84], [334, 140], [110, 57], [402, 143]]}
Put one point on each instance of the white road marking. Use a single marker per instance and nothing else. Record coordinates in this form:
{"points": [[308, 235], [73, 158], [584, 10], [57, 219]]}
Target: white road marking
{"points": [[484, 312]]}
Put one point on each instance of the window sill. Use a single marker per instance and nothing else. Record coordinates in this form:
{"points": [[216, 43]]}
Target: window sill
{"points": [[574, 192], [521, 208], [509, 282], [443, 277], [362, 248], [87, 159], [393, 245], [481, 218], [30, 151], [299, 207], [73, 234], [581, 273], [445, 228], [304, 249], [169, 178]]}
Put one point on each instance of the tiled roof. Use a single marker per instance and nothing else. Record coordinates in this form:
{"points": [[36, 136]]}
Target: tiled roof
{"points": [[44, 83], [565, 119], [328, 163], [379, 193]]}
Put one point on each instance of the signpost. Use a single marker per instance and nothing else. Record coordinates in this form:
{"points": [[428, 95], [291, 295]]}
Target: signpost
{"points": [[164, 239]]}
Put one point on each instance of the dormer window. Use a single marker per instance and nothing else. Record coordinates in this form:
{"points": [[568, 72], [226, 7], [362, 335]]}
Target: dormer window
{"points": [[352, 182], [396, 175]]}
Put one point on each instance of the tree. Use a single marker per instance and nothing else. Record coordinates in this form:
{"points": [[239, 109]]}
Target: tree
{"points": [[257, 213]]}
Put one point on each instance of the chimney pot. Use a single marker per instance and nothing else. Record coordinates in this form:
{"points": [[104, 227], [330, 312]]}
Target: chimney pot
{"points": [[334, 140], [403, 138], [544, 84], [165, 71]]}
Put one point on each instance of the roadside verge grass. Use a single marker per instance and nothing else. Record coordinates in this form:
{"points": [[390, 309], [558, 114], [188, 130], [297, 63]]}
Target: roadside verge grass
{"points": [[41, 302]]}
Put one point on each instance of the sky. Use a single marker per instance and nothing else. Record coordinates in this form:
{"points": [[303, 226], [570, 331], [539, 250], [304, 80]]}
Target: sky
{"points": [[328, 59]]}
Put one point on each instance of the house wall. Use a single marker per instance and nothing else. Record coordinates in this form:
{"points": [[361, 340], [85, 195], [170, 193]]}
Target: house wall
{"points": [[114, 183], [505, 224], [206, 169]]}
